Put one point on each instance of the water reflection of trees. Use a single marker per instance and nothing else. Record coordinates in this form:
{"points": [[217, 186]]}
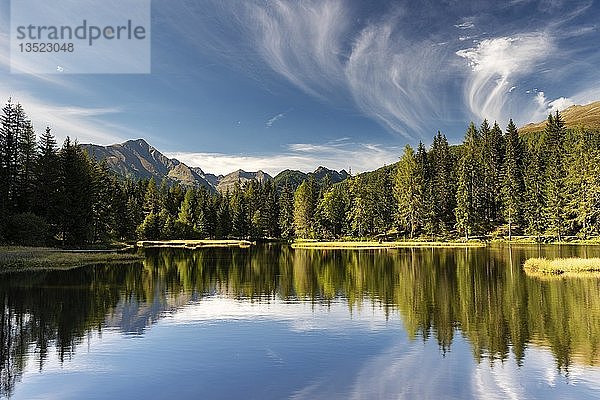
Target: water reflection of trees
{"points": [[481, 294]]}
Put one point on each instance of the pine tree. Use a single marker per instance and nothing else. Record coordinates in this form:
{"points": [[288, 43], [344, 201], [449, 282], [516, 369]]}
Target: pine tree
{"points": [[513, 185], [332, 210], [583, 184], [305, 204], [492, 155], [269, 211], [409, 191], [103, 202], [186, 219], [555, 210], [47, 181], [535, 197], [443, 187], [223, 216], [76, 194], [26, 168], [239, 213], [13, 124], [286, 212], [469, 213], [152, 203]]}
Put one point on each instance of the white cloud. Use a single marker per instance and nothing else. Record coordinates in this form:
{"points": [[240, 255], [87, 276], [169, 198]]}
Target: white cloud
{"points": [[495, 63], [314, 45], [302, 41], [393, 80], [82, 123], [305, 157], [560, 104], [467, 23], [274, 119]]}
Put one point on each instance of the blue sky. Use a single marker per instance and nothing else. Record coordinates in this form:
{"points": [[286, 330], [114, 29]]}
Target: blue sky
{"points": [[276, 84]]}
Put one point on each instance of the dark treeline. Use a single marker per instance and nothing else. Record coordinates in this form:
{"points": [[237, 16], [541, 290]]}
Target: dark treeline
{"points": [[495, 184]]}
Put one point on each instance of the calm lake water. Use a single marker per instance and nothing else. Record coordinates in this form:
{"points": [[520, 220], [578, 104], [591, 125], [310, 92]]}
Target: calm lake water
{"points": [[270, 322]]}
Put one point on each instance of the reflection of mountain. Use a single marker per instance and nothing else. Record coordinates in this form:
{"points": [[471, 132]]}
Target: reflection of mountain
{"points": [[481, 293]]}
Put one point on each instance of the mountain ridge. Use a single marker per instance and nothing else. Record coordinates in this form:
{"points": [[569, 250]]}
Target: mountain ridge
{"points": [[137, 159], [586, 116]]}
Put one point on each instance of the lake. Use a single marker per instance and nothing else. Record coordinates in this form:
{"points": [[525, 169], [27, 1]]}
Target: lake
{"points": [[270, 322]]}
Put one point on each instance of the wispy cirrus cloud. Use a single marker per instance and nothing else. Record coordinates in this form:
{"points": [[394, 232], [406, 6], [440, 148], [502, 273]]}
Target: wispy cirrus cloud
{"points": [[86, 124], [302, 41], [275, 118], [495, 64], [393, 81]]}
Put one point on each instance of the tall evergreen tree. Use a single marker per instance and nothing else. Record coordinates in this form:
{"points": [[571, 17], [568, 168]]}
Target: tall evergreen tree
{"points": [[13, 123], [223, 229], [443, 187], [332, 210], [583, 184], [26, 169], [469, 213], [77, 196], [513, 185], [239, 213], [286, 211], [305, 204], [491, 161], [556, 201], [409, 191], [186, 219], [535, 196], [47, 181]]}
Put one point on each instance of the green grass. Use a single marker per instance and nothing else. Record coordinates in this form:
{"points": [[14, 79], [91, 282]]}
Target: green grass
{"points": [[193, 244], [17, 258], [379, 245], [563, 267]]}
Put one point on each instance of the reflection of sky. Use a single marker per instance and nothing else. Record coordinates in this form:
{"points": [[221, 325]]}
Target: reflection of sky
{"points": [[225, 348]]}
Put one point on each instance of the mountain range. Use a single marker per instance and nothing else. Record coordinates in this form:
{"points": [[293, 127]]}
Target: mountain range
{"points": [[137, 159]]}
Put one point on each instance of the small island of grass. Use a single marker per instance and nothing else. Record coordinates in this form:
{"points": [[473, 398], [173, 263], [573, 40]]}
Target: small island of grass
{"points": [[19, 258], [563, 267], [370, 245]]}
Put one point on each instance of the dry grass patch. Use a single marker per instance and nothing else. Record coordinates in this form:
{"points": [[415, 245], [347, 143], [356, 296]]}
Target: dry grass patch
{"points": [[27, 258], [193, 244], [368, 245], [563, 267]]}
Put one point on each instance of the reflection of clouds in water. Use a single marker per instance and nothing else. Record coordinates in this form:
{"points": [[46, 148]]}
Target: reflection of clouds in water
{"points": [[537, 377], [301, 316]]}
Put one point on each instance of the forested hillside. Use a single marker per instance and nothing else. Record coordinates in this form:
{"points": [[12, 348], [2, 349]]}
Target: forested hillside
{"points": [[495, 184]]}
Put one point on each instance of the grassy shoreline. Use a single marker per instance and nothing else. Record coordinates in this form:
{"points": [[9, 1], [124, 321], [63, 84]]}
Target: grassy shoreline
{"points": [[18, 258], [370, 245], [563, 267]]}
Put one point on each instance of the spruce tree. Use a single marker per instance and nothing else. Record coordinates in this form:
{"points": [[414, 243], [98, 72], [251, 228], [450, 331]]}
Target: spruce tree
{"points": [[26, 168], [223, 229], [469, 199], [76, 194], [47, 181], [556, 201], [186, 219], [286, 211], [513, 185], [492, 155], [409, 191], [535, 196], [443, 187], [305, 204], [582, 184]]}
